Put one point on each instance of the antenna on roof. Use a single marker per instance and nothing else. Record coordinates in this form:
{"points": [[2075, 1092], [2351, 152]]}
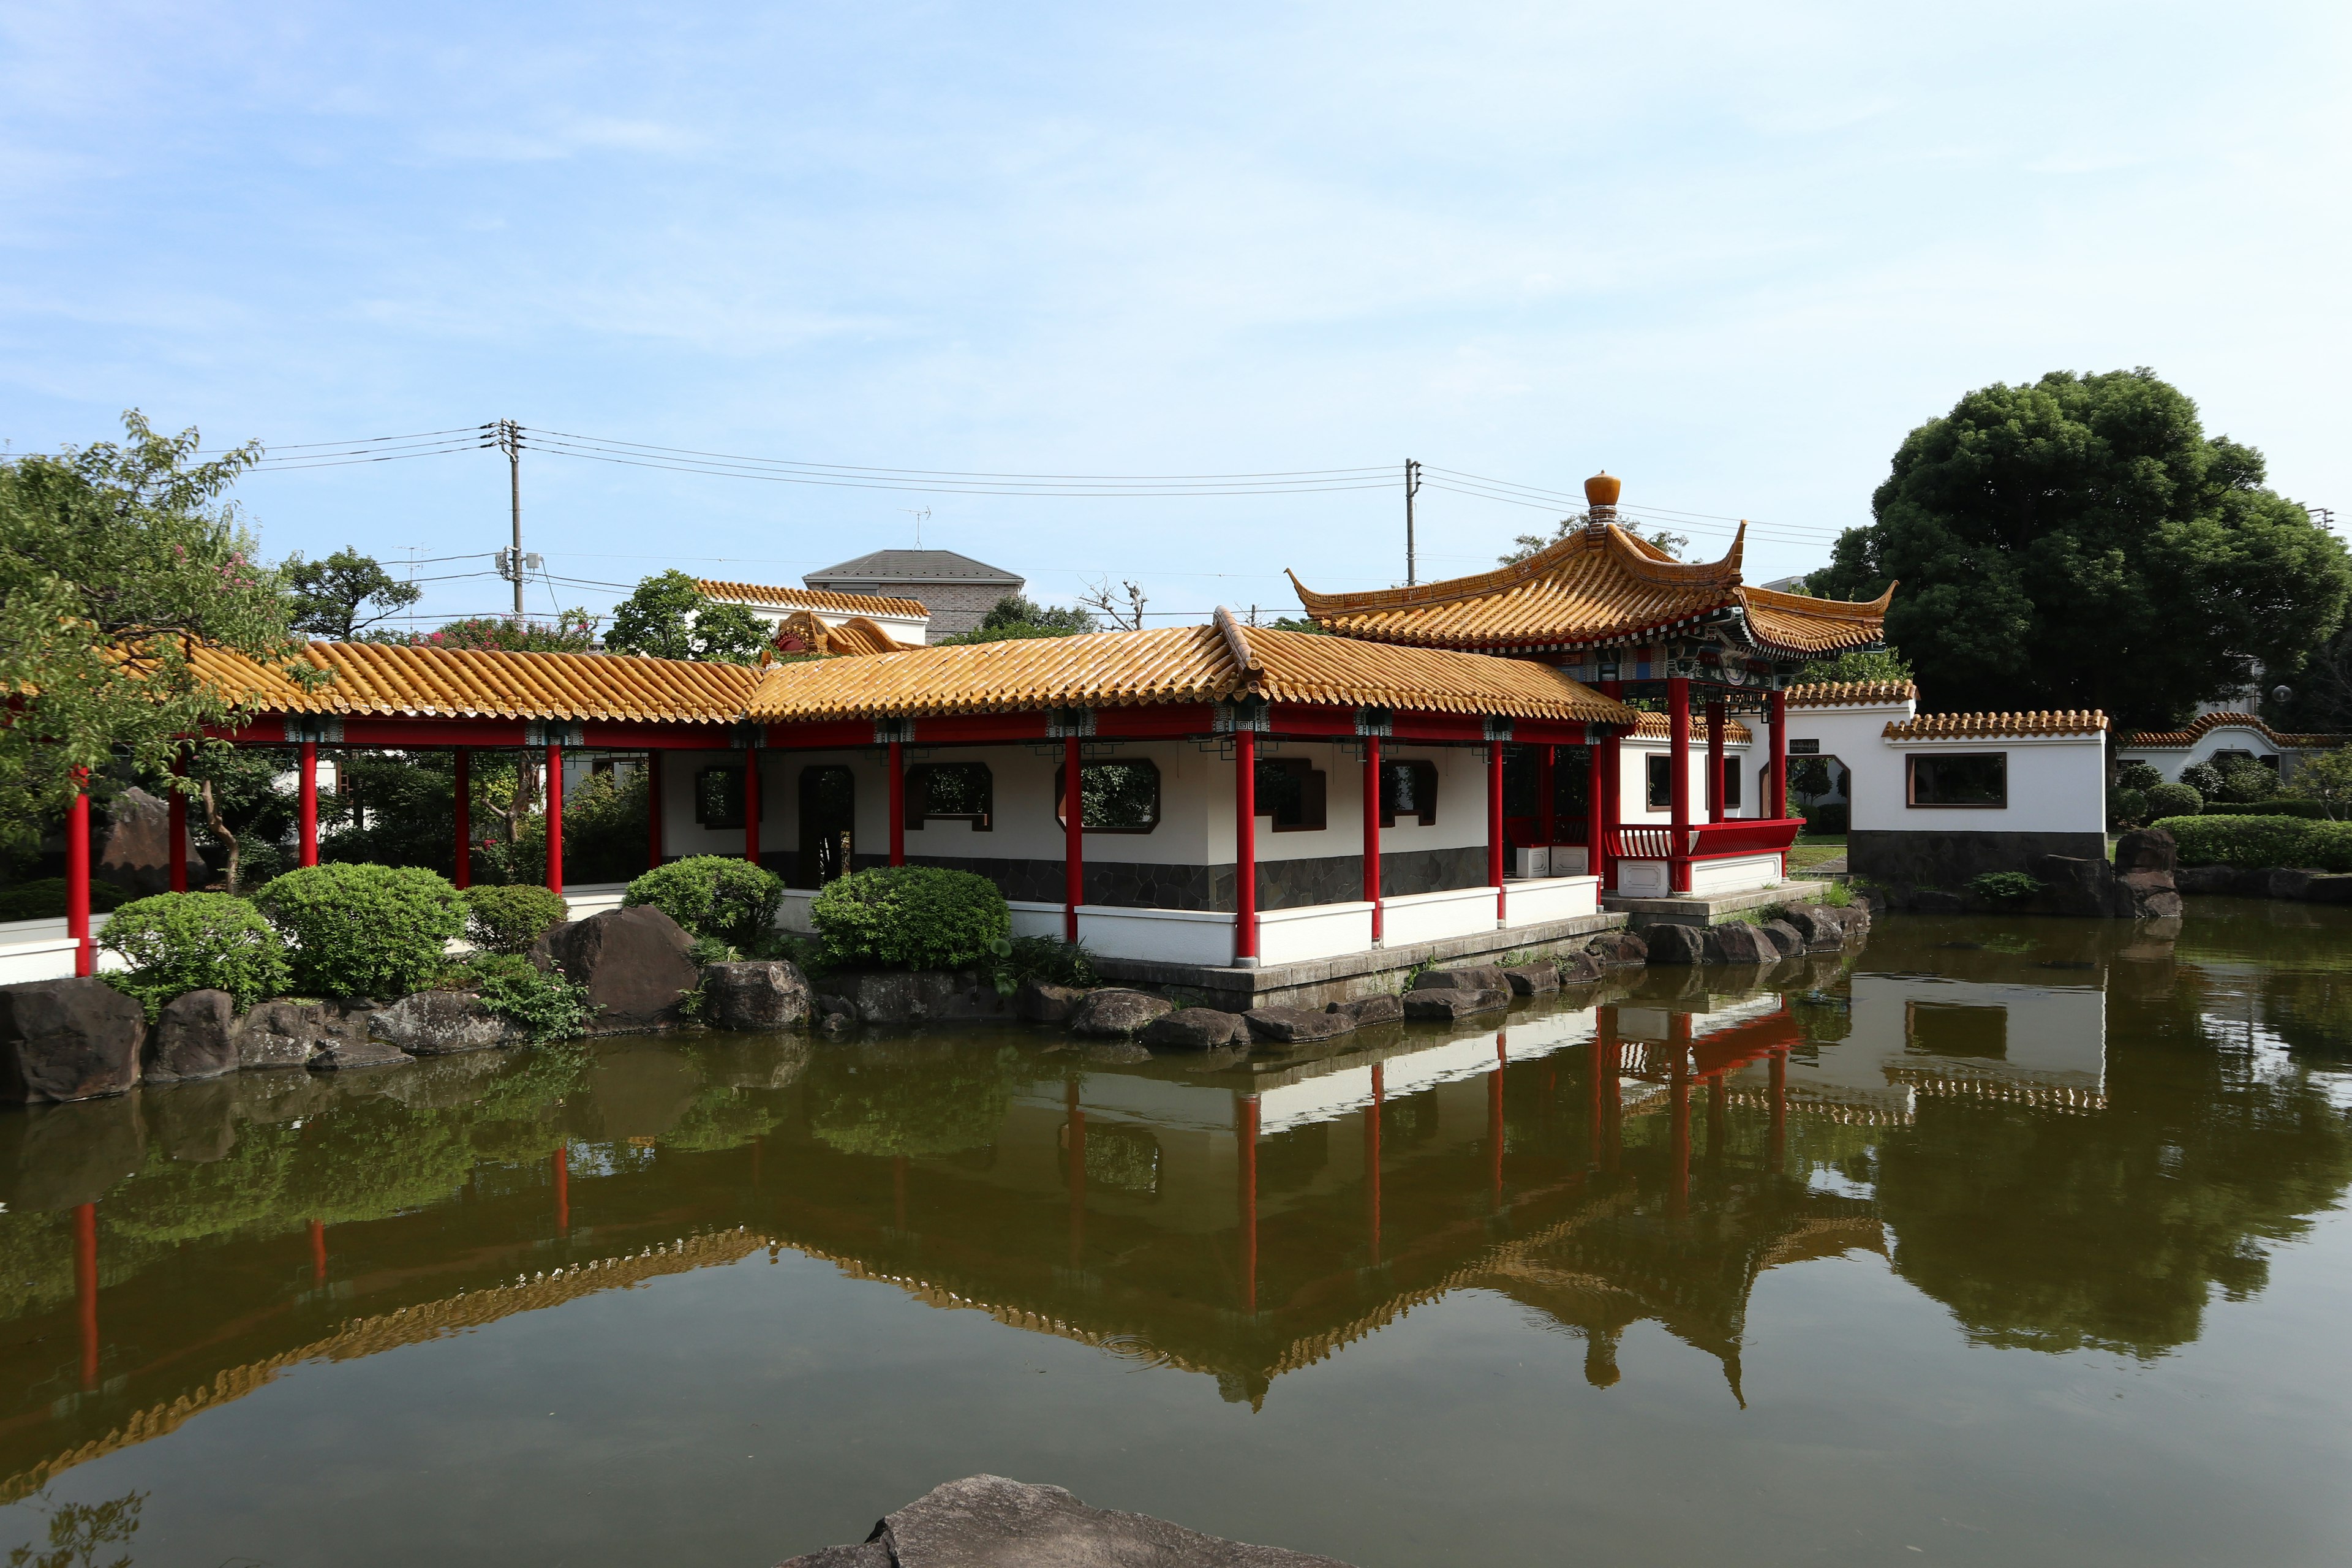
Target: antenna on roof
{"points": [[920, 518]]}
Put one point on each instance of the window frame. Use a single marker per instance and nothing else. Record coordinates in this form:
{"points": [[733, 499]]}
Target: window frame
{"points": [[1424, 769], [917, 810], [1061, 786], [1911, 782], [1314, 796], [702, 799]]}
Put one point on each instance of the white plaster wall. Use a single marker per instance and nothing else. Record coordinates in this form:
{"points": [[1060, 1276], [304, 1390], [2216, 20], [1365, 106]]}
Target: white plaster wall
{"points": [[1845, 733], [2057, 784], [1634, 774], [902, 628], [2173, 761]]}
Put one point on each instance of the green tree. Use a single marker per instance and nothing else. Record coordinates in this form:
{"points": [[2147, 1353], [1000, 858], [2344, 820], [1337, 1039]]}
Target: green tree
{"points": [[1016, 617], [572, 631], [329, 595], [1870, 664], [115, 563], [2327, 779], [2081, 543], [668, 618]]}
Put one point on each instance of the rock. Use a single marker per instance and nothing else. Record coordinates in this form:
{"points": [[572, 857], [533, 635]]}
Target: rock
{"points": [[2210, 880], [1670, 943], [280, 1035], [68, 1039], [2331, 889], [137, 853], [834, 1025], [1382, 1008], [194, 1037], [2288, 881], [1039, 1002], [826, 1007], [1196, 1029], [634, 962], [2150, 896], [1446, 1003], [56, 1157], [755, 995], [1618, 950], [1737, 942], [1579, 969], [441, 1024], [1787, 938], [1819, 926], [988, 1522], [919, 996], [346, 1049], [2146, 850], [2076, 885], [1533, 979], [1114, 1012], [1296, 1026], [1481, 977]]}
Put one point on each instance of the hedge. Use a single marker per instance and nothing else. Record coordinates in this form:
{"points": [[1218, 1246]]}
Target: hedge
{"points": [[2275, 840], [178, 942], [363, 931], [509, 919], [45, 899], [714, 896], [2283, 806], [911, 917]]}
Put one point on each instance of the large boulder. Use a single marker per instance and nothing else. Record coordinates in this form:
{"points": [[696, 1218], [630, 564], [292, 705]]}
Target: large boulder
{"points": [[280, 1035], [1737, 942], [196, 1037], [1445, 1003], [1671, 944], [1581, 969], [2146, 850], [1196, 1029], [1786, 938], [2076, 885], [899, 997], [355, 1048], [68, 1039], [1114, 1012], [767, 994], [634, 962], [987, 1521], [2205, 879], [1296, 1026], [1040, 1002], [1618, 950], [1477, 977], [1380, 1008], [1821, 927], [442, 1023], [2147, 896], [1532, 979]]}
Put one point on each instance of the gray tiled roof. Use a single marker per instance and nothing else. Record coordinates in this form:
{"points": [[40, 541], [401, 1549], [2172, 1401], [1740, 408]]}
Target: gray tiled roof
{"points": [[912, 566]]}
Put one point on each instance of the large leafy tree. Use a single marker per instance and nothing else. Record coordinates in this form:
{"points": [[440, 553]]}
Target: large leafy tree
{"points": [[115, 561], [339, 597], [668, 618], [2081, 543]]}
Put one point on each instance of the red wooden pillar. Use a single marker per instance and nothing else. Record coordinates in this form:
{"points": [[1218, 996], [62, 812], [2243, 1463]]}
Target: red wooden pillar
{"points": [[1777, 1152], [309, 809], [1372, 1162], [1780, 787], [898, 755], [178, 826], [1074, 840], [1373, 834], [462, 812], [77, 877], [318, 1250], [555, 819], [1495, 1125], [1715, 791], [1245, 1139], [1077, 1148], [86, 1287], [1495, 826], [751, 806], [1678, 717], [1245, 854], [562, 1167], [653, 809]]}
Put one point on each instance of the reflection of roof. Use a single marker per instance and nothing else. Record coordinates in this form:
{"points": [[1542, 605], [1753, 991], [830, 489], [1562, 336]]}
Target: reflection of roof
{"points": [[915, 566], [2169, 740], [1974, 726], [1853, 694], [1176, 665], [808, 598], [386, 679], [1597, 585], [1654, 727]]}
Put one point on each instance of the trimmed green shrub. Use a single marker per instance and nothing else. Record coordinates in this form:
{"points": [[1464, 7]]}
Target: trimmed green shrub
{"points": [[509, 918], [2005, 888], [2204, 778], [45, 899], [2311, 809], [911, 917], [2221, 840], [2126, 808], [2166, 798], [178, 942], [363, 931], [2137, 776], [546, 1006], [713, 896]]}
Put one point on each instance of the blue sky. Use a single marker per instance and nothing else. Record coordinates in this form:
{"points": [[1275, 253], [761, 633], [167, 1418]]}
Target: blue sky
{"points": [[1732, 253]]}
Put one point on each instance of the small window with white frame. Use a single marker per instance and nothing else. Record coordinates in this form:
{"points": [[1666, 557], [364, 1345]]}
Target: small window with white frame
{"points": [[1962, 780]]}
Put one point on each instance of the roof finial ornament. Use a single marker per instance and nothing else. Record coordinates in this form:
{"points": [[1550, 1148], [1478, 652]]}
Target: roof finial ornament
{"points": [[1600, 492]]}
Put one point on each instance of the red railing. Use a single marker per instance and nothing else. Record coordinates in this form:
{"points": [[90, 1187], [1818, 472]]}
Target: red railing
{"points": [[1707, 840]]}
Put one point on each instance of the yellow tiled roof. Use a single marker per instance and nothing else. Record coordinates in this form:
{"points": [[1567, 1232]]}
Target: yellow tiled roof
{"points": [[809, 599], [1599, 583], [387, 679], [2169, 740], [1174, 665], [1972, 726], [1654, 727], [1853, 694]]}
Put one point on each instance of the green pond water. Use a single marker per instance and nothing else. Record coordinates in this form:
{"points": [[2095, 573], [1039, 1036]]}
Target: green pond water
{"points": [[1992, 1243]]}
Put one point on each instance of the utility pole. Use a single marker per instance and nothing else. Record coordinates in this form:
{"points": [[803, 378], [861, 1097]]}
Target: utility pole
{"points": [[511, 443], [1411, 489]]}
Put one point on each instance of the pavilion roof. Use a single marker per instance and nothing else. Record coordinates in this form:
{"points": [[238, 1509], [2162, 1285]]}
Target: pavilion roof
{"points": [[1654, 726], [1853, 694], [1974, 726], [2205, 723], [1598, 584], [388, 679], [808, 598]]}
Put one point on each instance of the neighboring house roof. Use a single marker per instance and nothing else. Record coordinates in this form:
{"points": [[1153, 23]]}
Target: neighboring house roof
{"points": [[914, 566], [2205, 723], [1654, 727], [1988, 726], [387, 679], [809, 599], [1175, 665], [855, 636], [1853, 694], [1598, 584]]}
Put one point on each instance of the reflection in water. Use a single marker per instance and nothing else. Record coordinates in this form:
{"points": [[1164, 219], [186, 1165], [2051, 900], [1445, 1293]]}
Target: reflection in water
{"points": [[78, 1532], [2072, 1138]]}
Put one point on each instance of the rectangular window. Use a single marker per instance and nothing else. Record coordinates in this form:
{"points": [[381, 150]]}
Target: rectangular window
{"points": [[1114, 797], [1292, 793], [1661, 795], [1977, 779], [1409, 788], [958, 791], [719, 797]]}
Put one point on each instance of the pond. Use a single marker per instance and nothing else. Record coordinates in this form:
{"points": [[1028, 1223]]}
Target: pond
{"points": [[1990, 1243]]}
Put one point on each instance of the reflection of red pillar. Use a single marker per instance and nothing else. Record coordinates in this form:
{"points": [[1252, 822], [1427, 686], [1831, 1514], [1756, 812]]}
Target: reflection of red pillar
{"points": [[307, 809], [563, 1166], [1495, 1125], [1245, 1136], [78, 878], [1678, 1090], [1718, 1102], [86, 1287], [1373, 1161], [462, 800], [1073, 836], [1077, 1129], [177, 827], [898, 1190], [1780, 1147], [1372, 833], [317, 1249]]}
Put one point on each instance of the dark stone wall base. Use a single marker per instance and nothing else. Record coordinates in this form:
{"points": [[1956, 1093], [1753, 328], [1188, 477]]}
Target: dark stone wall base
{"points": [[1936, 860], [1281, 884]]}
